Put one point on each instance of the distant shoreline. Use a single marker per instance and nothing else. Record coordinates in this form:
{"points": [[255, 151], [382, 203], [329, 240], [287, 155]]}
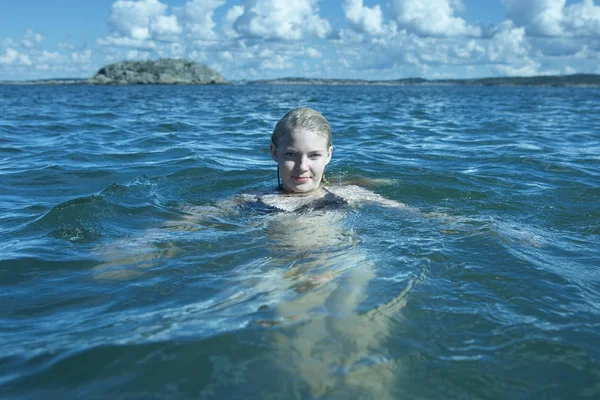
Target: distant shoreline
{"points": [[577, 80]]}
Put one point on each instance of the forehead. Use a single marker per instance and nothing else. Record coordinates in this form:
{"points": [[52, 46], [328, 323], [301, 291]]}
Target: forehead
{"points": [[304, 139]]}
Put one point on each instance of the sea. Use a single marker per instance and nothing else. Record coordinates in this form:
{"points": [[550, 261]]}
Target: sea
{"points": [[131, 269]]}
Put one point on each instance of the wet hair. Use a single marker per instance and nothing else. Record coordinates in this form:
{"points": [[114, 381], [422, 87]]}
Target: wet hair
{"points": [[303, 118]]}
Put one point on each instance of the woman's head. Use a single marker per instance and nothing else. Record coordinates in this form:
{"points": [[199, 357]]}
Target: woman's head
{"points": [[301, 147]]}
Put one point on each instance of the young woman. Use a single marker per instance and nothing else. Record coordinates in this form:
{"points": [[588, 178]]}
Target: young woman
{"points": [[323, 331]]}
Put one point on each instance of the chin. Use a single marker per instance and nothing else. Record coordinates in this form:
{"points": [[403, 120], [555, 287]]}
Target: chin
{"points": [[300, 188]]}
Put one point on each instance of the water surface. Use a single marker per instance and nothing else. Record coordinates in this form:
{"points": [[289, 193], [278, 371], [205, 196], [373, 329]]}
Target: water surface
{"points": [[122, 276]]}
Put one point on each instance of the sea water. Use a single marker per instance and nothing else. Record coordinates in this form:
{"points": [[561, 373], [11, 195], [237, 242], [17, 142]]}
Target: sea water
{"points": [[128, 271]]}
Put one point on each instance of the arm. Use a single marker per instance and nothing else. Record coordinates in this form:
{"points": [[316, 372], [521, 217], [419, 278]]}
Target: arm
{"points": [[356, 195]]}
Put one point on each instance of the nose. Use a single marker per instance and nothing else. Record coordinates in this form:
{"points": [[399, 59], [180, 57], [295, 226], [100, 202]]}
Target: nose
{"points": [[302, 163]]}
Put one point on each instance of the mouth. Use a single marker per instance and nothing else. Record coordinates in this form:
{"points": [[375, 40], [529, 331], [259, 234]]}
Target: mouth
{"points": [[301, 179]]}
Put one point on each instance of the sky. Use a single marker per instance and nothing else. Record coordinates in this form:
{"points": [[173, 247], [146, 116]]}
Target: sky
{"points": [[265, 39]]}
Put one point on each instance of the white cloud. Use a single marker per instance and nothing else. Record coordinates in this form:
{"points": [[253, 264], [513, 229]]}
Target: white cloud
{"points": [[49, 57], [197, 55], [137, 55], [229, 19], [540, 17], [138, 24], [364, 19], [83, 57], [281, 19], [197, 18], [65, 46], [277, 62], [165, 27], [554, 18], [266, 53], [120, 41], [31, 39], [13, 57], [132, 18], [313, 53], [509, 51], [583, 19], [527, 68], [226, 56], [471, 50], [508, 43], [432, 18], [9, 42]]}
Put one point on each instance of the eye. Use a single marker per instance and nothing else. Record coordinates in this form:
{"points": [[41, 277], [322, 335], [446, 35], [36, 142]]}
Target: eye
{"points": [[315, 156], [290, 154]]}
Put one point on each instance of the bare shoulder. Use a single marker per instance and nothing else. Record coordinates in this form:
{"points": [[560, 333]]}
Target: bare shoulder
{"points": [[354, 194], [350, 192]]}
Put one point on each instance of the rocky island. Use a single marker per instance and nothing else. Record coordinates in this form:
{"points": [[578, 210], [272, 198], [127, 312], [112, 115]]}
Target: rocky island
{"points": [[163, 71]]}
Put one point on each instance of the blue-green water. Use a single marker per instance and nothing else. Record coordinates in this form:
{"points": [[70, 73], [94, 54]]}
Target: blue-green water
{"points": [[122, 276]]}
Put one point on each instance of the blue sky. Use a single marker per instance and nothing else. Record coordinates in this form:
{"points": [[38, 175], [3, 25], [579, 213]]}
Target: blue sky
{"points": [[255, 39]]}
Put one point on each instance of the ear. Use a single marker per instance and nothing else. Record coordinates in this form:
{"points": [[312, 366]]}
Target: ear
{"points": [[273, 152], [329, 153]]}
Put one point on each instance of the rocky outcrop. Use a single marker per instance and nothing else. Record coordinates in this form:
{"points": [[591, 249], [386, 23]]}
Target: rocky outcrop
{"points": [[162, 71]]}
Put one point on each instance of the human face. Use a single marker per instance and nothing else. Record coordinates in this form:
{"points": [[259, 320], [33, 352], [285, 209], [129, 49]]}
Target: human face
{"points": [[302, 156]]}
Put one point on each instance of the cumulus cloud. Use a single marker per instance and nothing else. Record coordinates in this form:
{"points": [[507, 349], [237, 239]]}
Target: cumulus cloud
{"points": [[197, 18], [31, 39], [432, 18], [49, 57], [276, 62], [137, 55], [582, 19], [313, 53], [137, 24], [281, 19], [197, 55], [364, 19], [528, 67], [13, 57], [165, 27], [509, 51], [132, 18], [229, 19], [9, 42], [226, 56], [83, 57], [121, 41], [508, 43], [554, 18]]}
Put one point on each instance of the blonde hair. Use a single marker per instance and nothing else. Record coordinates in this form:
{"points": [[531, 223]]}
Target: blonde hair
{"points": [[302, 117]]}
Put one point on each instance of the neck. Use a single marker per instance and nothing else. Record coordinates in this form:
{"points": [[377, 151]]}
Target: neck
{"points": [[316, 190]]}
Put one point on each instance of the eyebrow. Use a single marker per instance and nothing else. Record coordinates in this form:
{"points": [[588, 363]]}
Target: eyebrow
{"points": [[310, 151]]}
